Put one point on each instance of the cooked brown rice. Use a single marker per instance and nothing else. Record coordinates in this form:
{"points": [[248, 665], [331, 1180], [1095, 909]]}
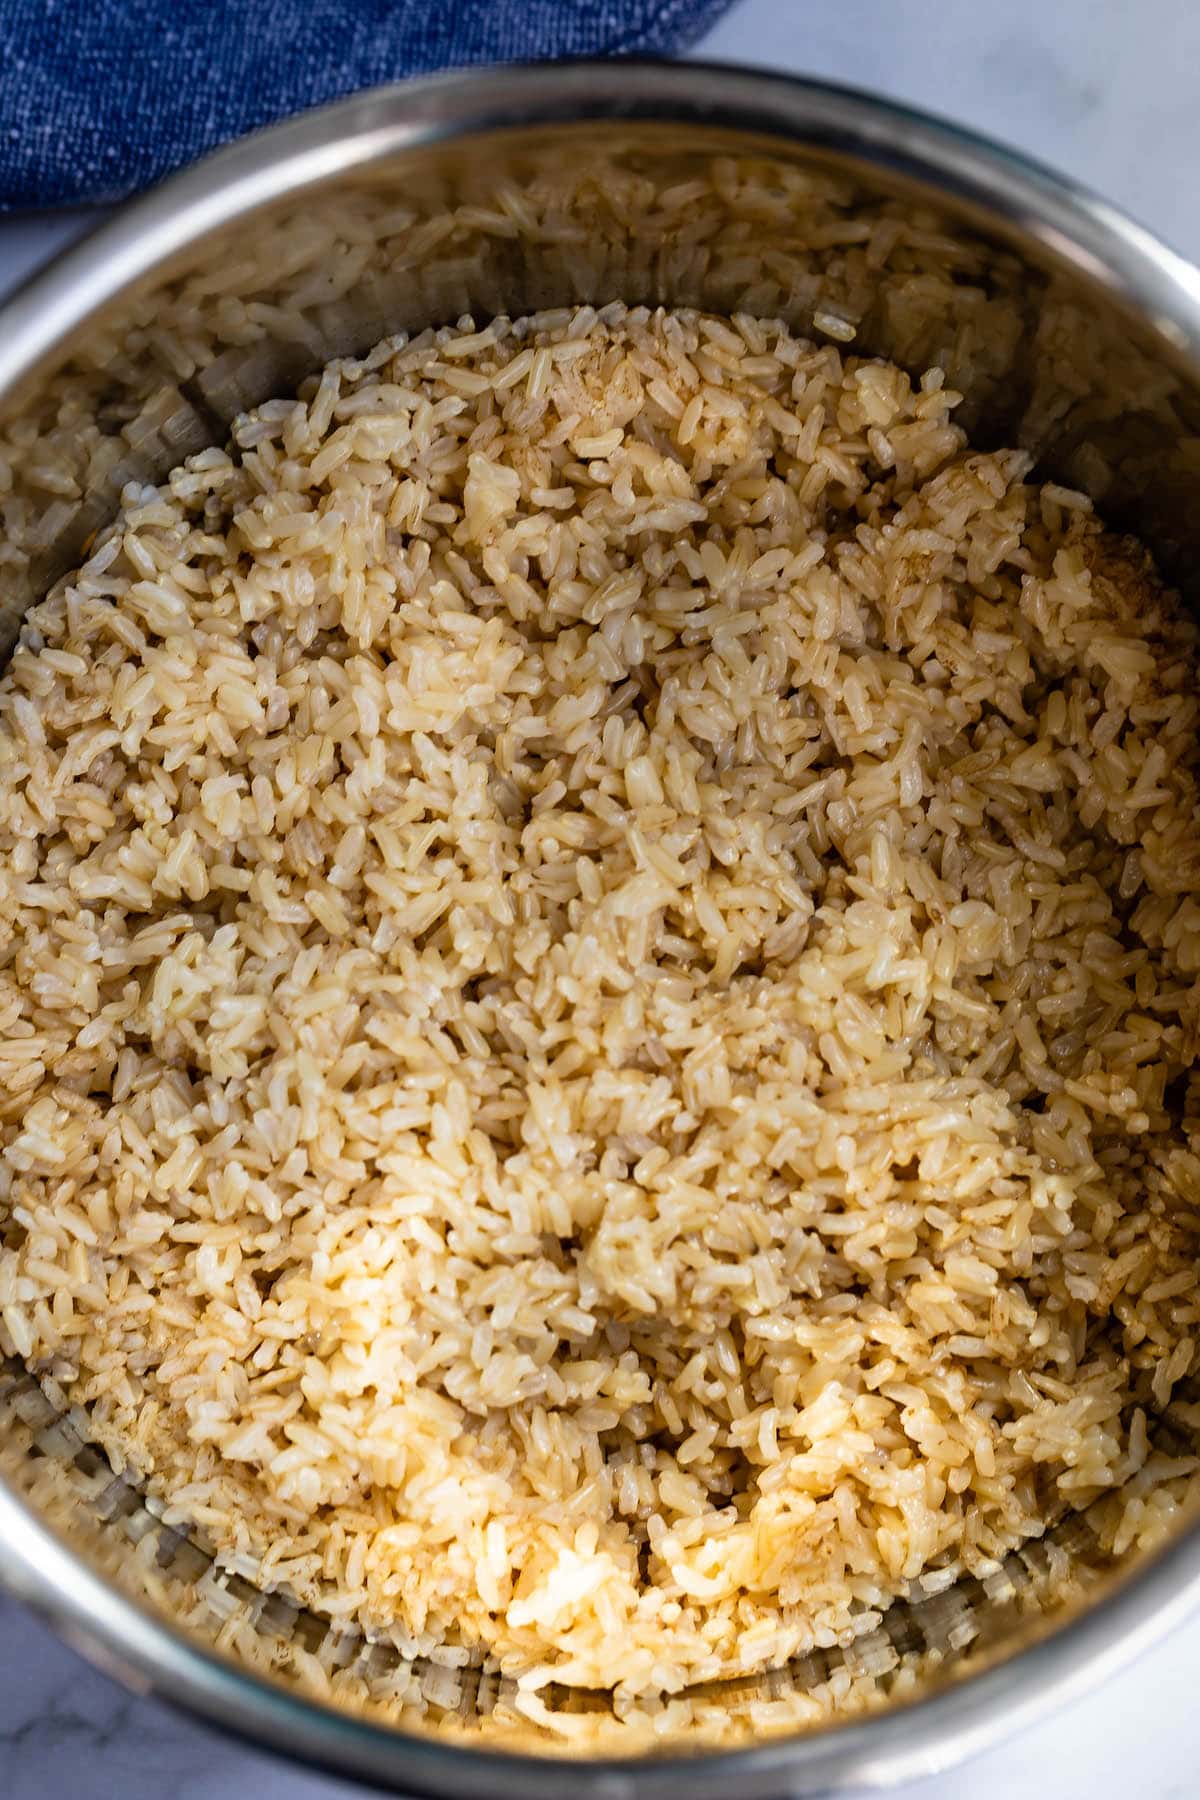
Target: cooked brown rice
{"points": [[599, 932]]}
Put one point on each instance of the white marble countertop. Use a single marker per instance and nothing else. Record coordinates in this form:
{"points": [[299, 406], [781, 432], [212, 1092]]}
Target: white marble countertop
{"points": [[1106, 91]]}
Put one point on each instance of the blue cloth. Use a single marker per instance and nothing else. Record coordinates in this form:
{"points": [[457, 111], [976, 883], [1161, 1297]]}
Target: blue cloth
{"points": [[101, 97]]}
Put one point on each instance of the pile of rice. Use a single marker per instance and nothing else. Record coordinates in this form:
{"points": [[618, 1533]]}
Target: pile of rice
{"points": [[599, 933]]}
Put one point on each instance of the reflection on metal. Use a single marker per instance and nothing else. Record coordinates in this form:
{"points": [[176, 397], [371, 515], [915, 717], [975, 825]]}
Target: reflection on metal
{"points": [[1067, 329]]}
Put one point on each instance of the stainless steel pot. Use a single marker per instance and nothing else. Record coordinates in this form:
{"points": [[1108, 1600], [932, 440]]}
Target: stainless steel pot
{"points": [[1071, 329]]}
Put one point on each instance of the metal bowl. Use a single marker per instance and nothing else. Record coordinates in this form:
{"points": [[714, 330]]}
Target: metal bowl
{"points": [[1071, 331]]}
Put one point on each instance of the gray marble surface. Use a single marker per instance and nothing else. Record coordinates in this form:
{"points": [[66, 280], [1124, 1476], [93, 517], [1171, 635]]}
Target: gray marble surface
{"points": [[1105, 90]]}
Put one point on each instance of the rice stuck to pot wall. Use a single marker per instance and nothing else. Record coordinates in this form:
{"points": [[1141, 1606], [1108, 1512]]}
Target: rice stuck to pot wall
{"points": [[599, 932]]}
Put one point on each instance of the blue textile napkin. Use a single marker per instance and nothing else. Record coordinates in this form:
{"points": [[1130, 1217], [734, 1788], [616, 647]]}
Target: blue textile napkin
{"points": [[101, 97]]}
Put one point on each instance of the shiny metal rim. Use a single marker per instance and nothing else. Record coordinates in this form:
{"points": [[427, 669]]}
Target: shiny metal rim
{"points": [[1010, 197]]}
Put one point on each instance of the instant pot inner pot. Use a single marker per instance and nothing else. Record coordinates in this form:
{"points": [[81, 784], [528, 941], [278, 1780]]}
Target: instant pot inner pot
{"points": [[512, 222]]}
